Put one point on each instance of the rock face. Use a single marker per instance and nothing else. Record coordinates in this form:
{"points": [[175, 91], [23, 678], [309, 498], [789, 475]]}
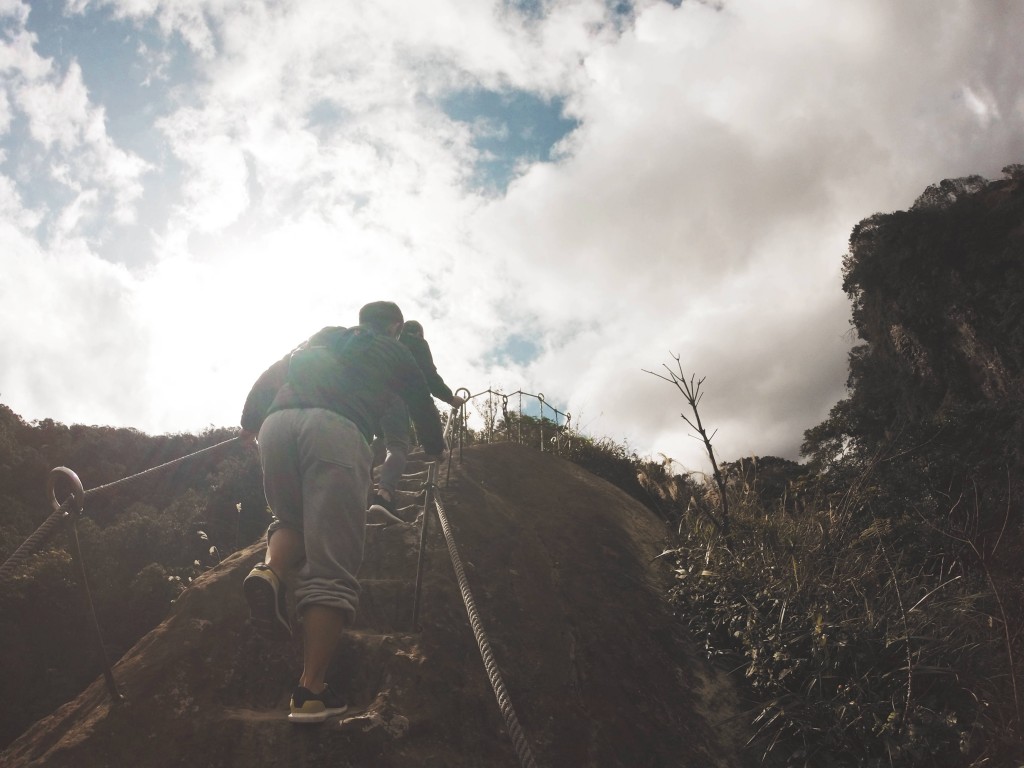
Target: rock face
{"points": [[936, 294], [561, 565]]}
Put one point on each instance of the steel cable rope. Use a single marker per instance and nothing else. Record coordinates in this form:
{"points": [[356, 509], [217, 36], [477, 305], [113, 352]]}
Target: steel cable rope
{"points": [[166, 465], [519, 741], [35, 542]]}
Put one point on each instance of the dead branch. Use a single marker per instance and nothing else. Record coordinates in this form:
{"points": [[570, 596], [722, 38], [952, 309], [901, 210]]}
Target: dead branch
{"points": [[691, 391]]}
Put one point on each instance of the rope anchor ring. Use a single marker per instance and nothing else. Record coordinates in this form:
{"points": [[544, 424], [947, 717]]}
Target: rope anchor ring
{"points": [[77, 491]]}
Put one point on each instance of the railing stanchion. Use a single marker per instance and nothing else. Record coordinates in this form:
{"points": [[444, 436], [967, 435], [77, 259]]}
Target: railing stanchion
{"points": [[428, 503], [83, 579], [520, 430], [78, 504], [540, 422]]}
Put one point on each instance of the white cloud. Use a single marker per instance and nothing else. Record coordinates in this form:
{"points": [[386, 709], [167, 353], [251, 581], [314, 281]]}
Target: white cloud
{"points": [[216, 177], [14, 9], [72, 336], [18, 58], [58, 112], [12, 213], [724, 152], [703, 205], [187, 18], [6, 115], [72, 133]]}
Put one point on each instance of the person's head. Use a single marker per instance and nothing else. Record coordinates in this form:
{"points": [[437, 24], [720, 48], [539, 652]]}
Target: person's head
{"points": [[412, 328], [382, 317]]}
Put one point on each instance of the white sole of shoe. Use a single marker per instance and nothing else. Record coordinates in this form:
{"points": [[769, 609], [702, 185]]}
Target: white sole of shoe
{"points": [[315, 717]]}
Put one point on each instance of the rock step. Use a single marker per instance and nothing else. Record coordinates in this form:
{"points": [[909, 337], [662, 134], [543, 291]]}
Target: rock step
{"points": [[385, 605]]}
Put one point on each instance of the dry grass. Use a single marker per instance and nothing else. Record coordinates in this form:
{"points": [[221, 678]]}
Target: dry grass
{"points": [[869, 641]]}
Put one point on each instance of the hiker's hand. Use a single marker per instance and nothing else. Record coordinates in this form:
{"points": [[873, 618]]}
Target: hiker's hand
{"points": [[247, 437], [456, 401]]}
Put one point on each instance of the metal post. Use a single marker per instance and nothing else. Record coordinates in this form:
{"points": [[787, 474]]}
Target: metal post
{"points": [[108, 674], [76, 550], [457, 421], [461, 423], [540, 422], [428, 503], [490, 416], [520, 431]]}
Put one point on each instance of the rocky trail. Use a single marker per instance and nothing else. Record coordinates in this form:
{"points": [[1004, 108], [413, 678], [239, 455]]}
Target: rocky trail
{"points": [[562, 567]]}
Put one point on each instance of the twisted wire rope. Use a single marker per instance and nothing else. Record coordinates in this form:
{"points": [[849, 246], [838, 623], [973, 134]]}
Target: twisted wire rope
{"points": [[165, 465], [35, 542], [515, 731]]}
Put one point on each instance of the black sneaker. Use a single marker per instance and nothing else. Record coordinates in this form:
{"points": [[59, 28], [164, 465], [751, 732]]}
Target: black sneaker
{"points": [[264, 593], [309, 707]]}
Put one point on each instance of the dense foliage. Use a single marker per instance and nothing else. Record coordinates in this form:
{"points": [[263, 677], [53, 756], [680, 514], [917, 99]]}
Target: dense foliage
{"points": [[876, 606], [140, 541]]}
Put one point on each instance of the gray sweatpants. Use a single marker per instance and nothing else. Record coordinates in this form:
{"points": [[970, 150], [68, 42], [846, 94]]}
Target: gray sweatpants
{"points": [[316, 474]]}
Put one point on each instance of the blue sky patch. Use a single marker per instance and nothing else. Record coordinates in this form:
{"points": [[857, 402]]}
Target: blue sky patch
{"points": [[535, 9], [517, 349], [129, 68], [531, 9], [510, 129], [326, 114], [135, 73]]}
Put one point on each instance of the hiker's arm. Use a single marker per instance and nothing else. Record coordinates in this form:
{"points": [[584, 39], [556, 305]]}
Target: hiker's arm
{"points": [[412, 388], [261, 396], [425, 360]]}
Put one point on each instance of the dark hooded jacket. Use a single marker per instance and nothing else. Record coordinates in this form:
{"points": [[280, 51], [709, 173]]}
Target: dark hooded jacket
{"points": [[420, 350], [353, 372]]}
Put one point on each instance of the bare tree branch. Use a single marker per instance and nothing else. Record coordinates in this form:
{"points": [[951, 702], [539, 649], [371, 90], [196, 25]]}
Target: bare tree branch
{"points": [[691, 391]]}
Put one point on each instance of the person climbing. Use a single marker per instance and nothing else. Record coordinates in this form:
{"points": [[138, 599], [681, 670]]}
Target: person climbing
{"points": [[315, 411], [394, 424]]}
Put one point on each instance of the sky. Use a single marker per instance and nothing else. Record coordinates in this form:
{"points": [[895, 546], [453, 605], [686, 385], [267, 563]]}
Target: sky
{"points": [[566, 193]]}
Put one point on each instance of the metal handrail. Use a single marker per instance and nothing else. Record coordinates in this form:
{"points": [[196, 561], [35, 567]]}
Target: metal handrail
{"points": [[489, 412]]}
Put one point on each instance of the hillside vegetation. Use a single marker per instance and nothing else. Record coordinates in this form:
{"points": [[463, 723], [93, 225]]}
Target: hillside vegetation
{"points": [[140, 543]]}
